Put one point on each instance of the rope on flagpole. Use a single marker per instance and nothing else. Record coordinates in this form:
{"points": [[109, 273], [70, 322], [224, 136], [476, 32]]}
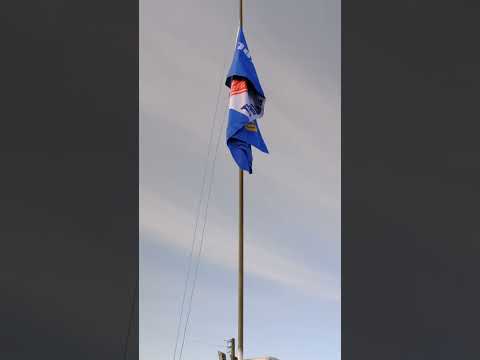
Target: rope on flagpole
{"points": [[197, 216], [190, 261], [202, 239]]}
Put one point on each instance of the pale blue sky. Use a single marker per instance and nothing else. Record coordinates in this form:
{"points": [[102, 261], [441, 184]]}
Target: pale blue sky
{"points": [[292, 205]]}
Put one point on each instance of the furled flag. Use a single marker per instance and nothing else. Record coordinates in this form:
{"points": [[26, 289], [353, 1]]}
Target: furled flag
{"points": [[246, 106]]}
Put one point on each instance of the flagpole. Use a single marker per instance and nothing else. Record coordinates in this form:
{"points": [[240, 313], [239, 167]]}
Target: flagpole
{"points": [[241, 13], [240, 265], [240, 243]]}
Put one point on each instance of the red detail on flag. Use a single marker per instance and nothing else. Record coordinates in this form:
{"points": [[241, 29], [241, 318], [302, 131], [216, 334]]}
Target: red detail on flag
{"points": [[238, 87]]}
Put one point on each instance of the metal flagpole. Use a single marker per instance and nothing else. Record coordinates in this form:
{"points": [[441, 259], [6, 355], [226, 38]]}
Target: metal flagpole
{"points": [[240, 266], [240, 244]]}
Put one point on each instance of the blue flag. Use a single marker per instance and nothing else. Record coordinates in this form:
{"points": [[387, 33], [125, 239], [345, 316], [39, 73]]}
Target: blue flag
{"points": [[246, 105]]}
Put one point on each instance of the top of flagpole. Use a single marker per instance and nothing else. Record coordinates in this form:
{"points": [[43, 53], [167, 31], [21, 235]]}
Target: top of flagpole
{"points": [[241, 13]]}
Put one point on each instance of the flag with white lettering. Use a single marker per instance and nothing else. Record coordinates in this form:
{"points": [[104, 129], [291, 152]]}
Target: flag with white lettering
{"points": [[245, 107]]}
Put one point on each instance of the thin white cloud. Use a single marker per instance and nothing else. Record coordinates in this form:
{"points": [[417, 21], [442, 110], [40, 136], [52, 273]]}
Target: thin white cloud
{"points": [[220, 248]]}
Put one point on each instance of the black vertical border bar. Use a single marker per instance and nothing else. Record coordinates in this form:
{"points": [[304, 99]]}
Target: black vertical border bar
{"points": [[410, 179], [69, 144]]}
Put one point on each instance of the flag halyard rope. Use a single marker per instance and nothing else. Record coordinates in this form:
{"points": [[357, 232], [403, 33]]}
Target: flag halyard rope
{"points": [[197, 217]]}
